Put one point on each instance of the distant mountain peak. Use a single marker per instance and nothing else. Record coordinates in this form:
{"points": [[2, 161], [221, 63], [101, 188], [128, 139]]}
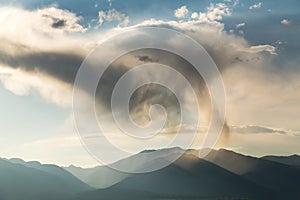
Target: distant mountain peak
{"points": [[16, 160], [292, 160], [73, 167], [166, 149]]}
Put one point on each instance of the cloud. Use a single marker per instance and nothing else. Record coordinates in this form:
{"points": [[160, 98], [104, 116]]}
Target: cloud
{"points": [[113, 15], [181, 12], [240, 25], [49, 19], [23, 83], [223, 48], [62, 19], [254, 129], [286, 22], [51, 73], [40, 53], [264, 93], [186, 129], [45, 60], [260, 48], [62, 64], [255, 6], [145, 58], [61, 54], [245, 129], [45, 28], [214, 13]]}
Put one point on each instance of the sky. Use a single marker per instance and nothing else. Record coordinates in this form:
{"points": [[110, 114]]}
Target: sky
{"points": [[255, 45]]}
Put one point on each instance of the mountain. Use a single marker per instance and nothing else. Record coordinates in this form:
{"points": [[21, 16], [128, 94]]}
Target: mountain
{"points": [[24, 182], [188, 177], [284, 180], [117, 193], [97, 177], [104, 176], [293, 160], [55, 170], [221, 174]]}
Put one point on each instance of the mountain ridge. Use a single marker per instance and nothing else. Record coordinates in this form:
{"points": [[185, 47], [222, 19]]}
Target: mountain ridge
{"points": [[222, 173]]}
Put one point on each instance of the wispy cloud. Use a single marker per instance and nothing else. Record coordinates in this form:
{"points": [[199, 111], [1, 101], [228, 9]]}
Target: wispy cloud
{"points": [[254, 129], [23, 83], [113, 15], [240, 25], [260, 48], [244, 129], [256, 6]]}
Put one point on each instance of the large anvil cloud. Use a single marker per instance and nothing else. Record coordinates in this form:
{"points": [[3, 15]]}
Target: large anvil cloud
{"points": [[54, 52]]}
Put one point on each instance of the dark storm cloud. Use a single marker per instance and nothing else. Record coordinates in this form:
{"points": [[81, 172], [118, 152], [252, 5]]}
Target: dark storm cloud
{"points": [[59, 23], [245, 60], [64, 66], [56, 22], [145, 58], [61, 65], [144, 97], [151, 94]]}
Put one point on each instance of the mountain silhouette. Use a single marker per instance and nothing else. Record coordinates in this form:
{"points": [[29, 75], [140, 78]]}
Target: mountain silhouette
{"points": [[24, 182], [283, 179], [188, 177], [221, 174], [293, 160]]}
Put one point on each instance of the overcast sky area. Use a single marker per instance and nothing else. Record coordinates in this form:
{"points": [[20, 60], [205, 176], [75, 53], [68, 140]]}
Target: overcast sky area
{"points": [[255, 44]]}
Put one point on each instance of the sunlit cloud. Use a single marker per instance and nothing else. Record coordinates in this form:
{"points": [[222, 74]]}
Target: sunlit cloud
{"points": [[23, 83], [181, 12], [42, 49]]}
